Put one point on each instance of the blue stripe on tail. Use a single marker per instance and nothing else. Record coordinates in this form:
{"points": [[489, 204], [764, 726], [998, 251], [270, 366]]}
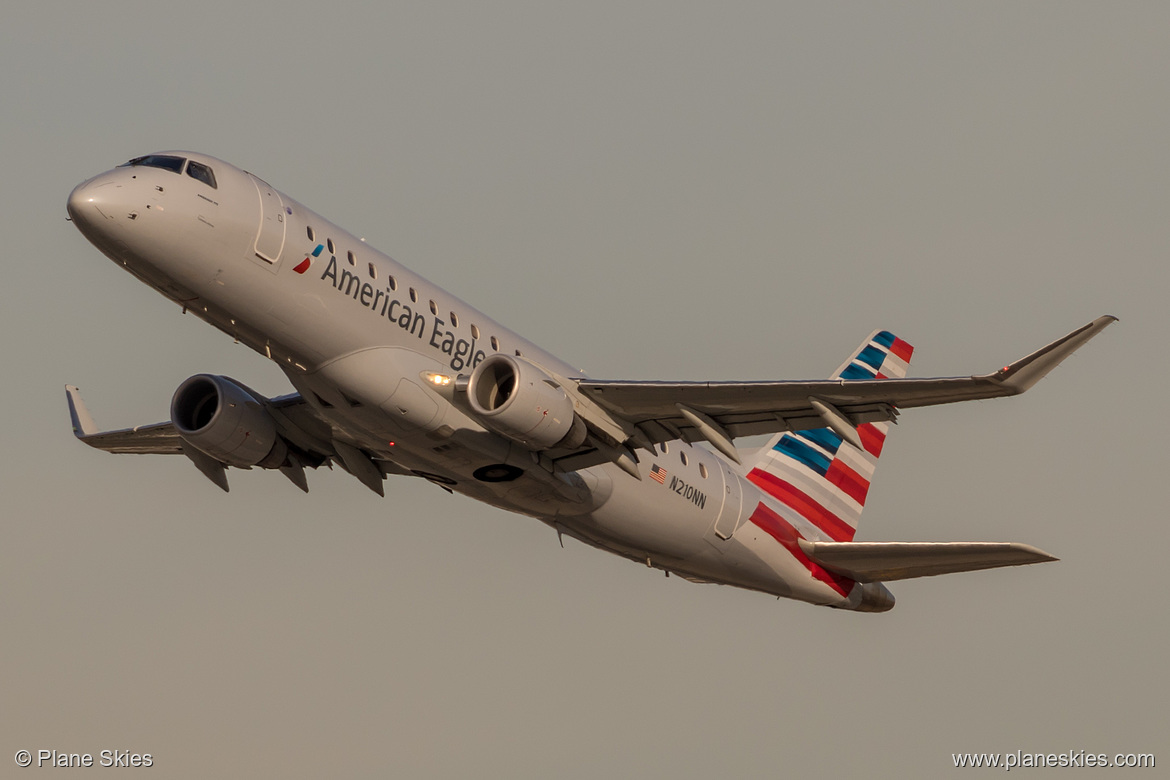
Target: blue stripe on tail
{"points": [[799, 451]]}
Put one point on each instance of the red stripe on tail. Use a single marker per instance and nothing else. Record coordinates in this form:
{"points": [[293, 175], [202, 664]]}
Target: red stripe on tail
{"points": [[902, 349], [872, 438], [853, 484], [782, 531], [805, 506]]}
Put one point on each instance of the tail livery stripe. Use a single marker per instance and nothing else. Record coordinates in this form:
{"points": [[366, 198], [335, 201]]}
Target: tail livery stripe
{"points": [[817, 478], [803, 453], [873, 356], [856, 371], [854, 485], [873, 438], [782, 531], [831, 466], [902, 350], [894, 344], [884, 356], [803, 504], [858, 461], [823, 438]]}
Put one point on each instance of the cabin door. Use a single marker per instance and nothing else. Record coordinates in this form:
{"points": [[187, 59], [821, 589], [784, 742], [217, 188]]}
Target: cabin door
{"points": [[270, 236], [732, 506]]}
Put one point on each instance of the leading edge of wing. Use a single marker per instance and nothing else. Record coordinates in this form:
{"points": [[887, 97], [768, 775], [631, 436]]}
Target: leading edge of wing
{"points": [[640, 401]]}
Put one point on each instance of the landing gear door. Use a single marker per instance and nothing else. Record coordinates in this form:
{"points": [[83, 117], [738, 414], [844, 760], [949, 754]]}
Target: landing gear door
{"points": [[270, 236], [732, 506]]}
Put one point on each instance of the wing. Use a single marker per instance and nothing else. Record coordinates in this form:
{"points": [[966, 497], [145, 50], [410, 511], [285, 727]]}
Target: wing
{"points": [[293, 416], [156, 439], [721, 411], [310, 441]]}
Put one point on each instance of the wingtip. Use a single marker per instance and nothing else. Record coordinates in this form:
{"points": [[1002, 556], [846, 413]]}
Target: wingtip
{"points": [[1038, 555], [83, 424], [1023, 373], [1103, 321]]}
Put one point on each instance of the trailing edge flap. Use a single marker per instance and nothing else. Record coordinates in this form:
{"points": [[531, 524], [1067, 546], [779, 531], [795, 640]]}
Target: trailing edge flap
{"points": [[884, 561]]}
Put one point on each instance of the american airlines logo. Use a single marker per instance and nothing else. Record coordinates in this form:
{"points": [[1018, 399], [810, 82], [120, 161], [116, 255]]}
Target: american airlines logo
{"points": [[304, 264]]}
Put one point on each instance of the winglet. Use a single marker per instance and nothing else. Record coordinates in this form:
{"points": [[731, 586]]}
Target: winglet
{"points": [[82, 423], [1025, 372]]}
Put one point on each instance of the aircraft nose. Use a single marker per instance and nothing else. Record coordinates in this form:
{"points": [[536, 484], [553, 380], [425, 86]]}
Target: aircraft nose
{"points": [[76, 205], [82, 206], [89, 202]]}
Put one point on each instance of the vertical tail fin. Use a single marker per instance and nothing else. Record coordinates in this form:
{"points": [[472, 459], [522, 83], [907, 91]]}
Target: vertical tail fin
{"points": [[817, 474]]}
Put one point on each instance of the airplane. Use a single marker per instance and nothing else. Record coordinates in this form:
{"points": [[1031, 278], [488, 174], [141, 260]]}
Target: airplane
{"points": [[395, 376]]}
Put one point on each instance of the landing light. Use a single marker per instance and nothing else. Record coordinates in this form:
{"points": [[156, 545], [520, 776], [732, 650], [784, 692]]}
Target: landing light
{"points": [[438, 380]]}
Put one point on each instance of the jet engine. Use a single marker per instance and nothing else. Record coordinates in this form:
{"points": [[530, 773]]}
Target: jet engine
{"points": [[516, 399], [220, 418]]}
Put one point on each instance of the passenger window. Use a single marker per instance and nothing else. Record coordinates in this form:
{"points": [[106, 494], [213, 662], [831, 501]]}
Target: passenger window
{"points": [[353, 262], [474, 331], [309, 230], [683, 457], [434, 309], [703, 470], [393, 282], [495, 344], [202, 173], [329, 243], [373, 271], [454, 320], [413, 296]]}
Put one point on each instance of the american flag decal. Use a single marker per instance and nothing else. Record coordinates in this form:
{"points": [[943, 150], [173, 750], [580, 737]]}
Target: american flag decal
{"points": [[658, 474]]}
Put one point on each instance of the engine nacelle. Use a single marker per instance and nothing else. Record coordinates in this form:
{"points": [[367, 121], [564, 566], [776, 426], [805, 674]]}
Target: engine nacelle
{"points": [[516, 399], [218, 417]]}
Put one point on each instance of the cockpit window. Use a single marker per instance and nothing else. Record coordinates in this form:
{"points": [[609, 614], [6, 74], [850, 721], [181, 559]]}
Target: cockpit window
{"points": [[202, 173], [164, 161]]}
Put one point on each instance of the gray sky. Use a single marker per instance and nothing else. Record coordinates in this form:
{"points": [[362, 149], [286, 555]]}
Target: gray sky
{"points": [[669, 190]]}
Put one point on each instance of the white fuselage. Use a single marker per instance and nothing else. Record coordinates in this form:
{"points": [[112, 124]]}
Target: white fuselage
{"points": [[356, 333]]}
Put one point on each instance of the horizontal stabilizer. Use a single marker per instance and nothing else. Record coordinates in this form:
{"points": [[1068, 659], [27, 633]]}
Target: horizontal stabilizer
{"points": [[884, 561]]}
